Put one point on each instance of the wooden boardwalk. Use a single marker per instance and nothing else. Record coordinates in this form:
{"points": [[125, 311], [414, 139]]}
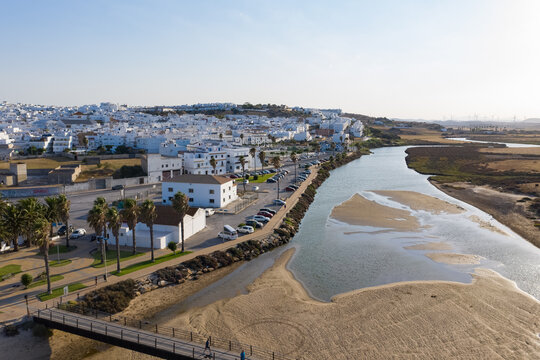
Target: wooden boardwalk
{"points": [[162, 342]]}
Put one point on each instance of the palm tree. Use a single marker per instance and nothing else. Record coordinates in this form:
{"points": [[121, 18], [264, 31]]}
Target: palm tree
{"points": [[220, 136], [149, 216], [181, 206], [63, 213], [294, 159], [96, 220], [318, 149], [262, 155], [333, 147], [115, 223], [130, 214], [242, 161], [13, 223], [41, 228], [242, 138], [102, 203], [51, 211], [276, 162], [213, 163], [31, 209], [253, 152]]}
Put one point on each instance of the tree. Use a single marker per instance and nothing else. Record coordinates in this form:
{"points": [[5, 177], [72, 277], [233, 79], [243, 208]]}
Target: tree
{"points": [[51, 211], [26, 279], [253, 152], [13, 222], [242, 161], [276, 162], [213, 164], [294, 159], [172, 246], [242, 138], [31, 209], [181, 206], [64, 206], [115, 223], [96, 220], [333, 147], [149, 216], [41, 229], [102, 203], [317, 147], [220, 136], [262, 155], [130, 214]]}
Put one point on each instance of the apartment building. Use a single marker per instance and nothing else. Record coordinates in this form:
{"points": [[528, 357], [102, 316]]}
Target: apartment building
{"points": [[161, 168], [201, 190]]}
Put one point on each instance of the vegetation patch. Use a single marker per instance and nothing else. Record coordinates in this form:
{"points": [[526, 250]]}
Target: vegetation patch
{"points": [[60, 291], [42, 280], [56, 263], [61, 249], [8, 271], [111, 257], [144, 264], [112, 298]]}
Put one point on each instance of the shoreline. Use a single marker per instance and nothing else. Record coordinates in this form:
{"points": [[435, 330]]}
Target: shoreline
{"points": [[503, 207]]}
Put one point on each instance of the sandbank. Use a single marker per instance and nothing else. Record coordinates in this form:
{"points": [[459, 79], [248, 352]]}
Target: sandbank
{"points": [[419, 201], [489, 318], [455, 259], [430, 246], [360, 211]]}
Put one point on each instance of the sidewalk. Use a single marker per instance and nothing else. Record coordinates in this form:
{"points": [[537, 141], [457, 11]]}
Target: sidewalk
{"points": [[12, 305]]}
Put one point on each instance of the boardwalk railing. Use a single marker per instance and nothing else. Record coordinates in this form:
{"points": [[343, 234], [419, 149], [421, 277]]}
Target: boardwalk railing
{"points": [[164, 337]]}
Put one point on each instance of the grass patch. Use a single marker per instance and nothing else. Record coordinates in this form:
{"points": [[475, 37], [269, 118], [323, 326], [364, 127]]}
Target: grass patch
{"points": [[111, 257], [107, 168], [44, 296], [56, 263], [39, 281], [148, 263], [62, 249], [261, 179], [9, 270], [42, 162]]}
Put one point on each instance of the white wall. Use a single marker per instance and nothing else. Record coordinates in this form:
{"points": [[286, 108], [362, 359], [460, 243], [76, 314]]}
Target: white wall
{"points": [[200, 194]]}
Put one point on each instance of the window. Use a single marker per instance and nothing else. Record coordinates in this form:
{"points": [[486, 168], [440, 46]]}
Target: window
{"points": [[229, 197], [224, 191], [190, 199], [211, 191], [171, 190], [170, 198], [190, 191], [223, 199], [211, 201], [229, 188], [164, 201]]}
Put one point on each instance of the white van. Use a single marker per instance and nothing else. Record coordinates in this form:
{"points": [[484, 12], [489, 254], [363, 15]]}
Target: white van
{"points": [[228, 233], [209, 212]]}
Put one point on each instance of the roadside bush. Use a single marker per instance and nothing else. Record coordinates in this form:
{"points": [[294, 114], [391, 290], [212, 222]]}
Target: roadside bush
{"points": [[169, 274], [235, 252], [208, 261], [222, 258], [40, 330], [26, 279], [255, 177], [113, 298], [11, 330]]}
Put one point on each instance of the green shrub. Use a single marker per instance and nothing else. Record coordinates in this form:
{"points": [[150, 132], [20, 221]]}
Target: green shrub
{"points": [[255, 177], [26, 279], [113, 298], [172, 246]]}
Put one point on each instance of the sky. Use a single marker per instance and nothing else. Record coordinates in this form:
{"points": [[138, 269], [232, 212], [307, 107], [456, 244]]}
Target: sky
{"points": [[431, 59]]}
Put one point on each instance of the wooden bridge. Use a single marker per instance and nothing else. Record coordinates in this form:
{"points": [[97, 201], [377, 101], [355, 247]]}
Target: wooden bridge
{"points": [[163, 342]]}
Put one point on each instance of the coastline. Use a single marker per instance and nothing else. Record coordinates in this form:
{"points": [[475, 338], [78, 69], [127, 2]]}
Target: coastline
{"points": [[502, 206]]}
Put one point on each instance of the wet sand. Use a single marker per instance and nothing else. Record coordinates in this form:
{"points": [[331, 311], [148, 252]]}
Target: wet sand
{"points": [[360, 211], [455, 259], [418, 201], [489, 318], [430, 246]]}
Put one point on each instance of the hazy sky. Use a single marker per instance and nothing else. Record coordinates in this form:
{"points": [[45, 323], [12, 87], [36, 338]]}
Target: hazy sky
{"points": [[409, 59]]}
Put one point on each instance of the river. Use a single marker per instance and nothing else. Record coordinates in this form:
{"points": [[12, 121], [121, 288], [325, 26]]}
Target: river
{"points": [[329, 262]]}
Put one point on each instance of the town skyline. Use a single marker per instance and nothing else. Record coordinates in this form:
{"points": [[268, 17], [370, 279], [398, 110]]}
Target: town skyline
{"points": [[417, 60]]}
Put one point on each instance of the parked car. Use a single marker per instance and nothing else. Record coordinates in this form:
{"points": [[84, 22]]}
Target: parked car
{"points": [[255, 188], [246, 181], [289, 188], [279, 202], [62, 230], [264, 213], [271, 180], [260, 218], [117, 187], [209, 212], [246, 229], [228, 233], [77, 233], [273, 212], [254, 224]]}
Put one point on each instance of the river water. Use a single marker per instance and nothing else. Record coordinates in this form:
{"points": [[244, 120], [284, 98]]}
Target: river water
{"points": [[329, 262]]}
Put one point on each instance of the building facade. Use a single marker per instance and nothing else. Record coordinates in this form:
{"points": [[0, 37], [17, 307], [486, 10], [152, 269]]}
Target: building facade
{"points": [[202, 190]]}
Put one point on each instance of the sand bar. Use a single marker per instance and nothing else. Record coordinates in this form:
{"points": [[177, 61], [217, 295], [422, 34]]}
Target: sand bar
{"points": [[406, 320], [455, 259], [360, 211], [418, 201], [430, 246]]}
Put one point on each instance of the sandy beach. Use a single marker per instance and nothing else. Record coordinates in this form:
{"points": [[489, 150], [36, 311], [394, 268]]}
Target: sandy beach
{"points": [[441, 245], [454, 259], [487, 319], [418, 201], [360, 211]]}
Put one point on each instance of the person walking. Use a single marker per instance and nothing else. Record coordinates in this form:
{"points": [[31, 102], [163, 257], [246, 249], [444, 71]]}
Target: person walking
{"points": [[207, 352], [243, 355]]}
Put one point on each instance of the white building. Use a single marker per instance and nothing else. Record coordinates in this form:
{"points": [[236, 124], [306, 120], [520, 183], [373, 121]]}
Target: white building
{"points": [[197, 161], [201, 190], [161, 168], [62, 142], [166, 228]]}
